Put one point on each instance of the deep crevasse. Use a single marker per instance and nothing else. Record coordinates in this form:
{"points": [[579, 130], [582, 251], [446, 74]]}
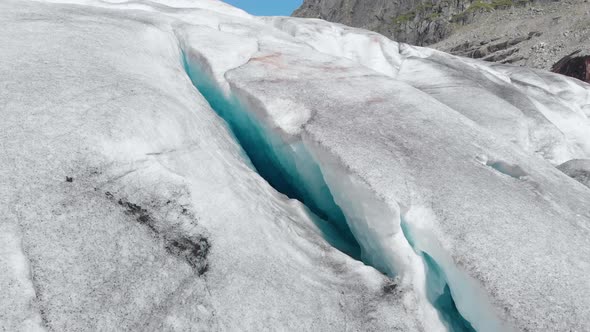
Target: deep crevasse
{"points": [[349, 215], [287, 167]]}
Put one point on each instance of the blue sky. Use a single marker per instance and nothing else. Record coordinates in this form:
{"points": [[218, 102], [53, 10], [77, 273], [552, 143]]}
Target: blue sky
{"points": [[267, 7]]}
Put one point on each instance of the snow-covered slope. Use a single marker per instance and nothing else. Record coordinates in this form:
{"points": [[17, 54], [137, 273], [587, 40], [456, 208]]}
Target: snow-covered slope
{"points": [[184, 166]]}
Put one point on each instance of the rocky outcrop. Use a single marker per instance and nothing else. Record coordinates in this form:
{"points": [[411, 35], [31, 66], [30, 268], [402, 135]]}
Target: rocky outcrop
{"points": [[413, 22], [574, 65], [503, 50], [405, 20], [530, 33], [541, 34], [578, 169]]}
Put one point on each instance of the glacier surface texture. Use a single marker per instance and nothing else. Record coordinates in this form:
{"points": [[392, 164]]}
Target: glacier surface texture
{"points": [[181, 165]]}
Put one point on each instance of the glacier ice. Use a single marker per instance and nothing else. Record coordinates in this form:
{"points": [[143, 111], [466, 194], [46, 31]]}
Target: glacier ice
{"points": [[16, 311], [128, 126], [290, 168], [287, 166], [356, 183]]}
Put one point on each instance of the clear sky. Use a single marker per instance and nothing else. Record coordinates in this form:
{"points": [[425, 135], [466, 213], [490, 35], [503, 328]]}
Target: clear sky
{"points": [[267, 7]]}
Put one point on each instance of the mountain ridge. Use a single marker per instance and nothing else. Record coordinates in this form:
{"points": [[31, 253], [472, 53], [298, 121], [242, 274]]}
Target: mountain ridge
{"points": [[536, 34]]}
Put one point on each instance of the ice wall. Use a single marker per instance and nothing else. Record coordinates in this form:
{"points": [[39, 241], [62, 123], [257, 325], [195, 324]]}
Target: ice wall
{"points": [[351, 217]]}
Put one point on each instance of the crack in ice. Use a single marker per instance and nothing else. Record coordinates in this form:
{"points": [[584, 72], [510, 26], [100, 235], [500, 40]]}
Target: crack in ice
{"points": [[297, 169]]}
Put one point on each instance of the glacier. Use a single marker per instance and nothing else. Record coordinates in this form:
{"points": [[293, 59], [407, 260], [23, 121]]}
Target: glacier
{"points": [[181, 165]]}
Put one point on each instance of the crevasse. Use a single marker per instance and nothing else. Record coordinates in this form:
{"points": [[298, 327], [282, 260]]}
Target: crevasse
{"points": [[437, 287], [287, 167], [387, 245], [350, 217], [456, 295]]}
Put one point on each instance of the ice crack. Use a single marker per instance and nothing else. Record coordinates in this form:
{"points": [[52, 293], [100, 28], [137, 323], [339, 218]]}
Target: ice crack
{"points": [[350, 216]]}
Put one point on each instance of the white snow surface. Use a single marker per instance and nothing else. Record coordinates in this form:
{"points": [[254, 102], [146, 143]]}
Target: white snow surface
{"points": [[127, 204]]}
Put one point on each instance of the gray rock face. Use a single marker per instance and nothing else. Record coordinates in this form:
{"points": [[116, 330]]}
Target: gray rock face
{"points": [[574, 65], [578, 169], [530, 33], [406, 20], [540, 34], [494, 50]]}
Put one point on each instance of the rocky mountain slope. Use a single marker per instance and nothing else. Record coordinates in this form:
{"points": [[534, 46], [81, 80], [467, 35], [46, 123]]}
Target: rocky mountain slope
{"points": [[532, 33], [180, 165]]}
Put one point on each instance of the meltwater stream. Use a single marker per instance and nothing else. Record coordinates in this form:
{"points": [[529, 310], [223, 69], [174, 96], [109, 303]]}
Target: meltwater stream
{"points": [[291, 170]]}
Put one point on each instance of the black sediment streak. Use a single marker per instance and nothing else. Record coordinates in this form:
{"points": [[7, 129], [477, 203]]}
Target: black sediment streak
{"points": [[193, 249]]}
